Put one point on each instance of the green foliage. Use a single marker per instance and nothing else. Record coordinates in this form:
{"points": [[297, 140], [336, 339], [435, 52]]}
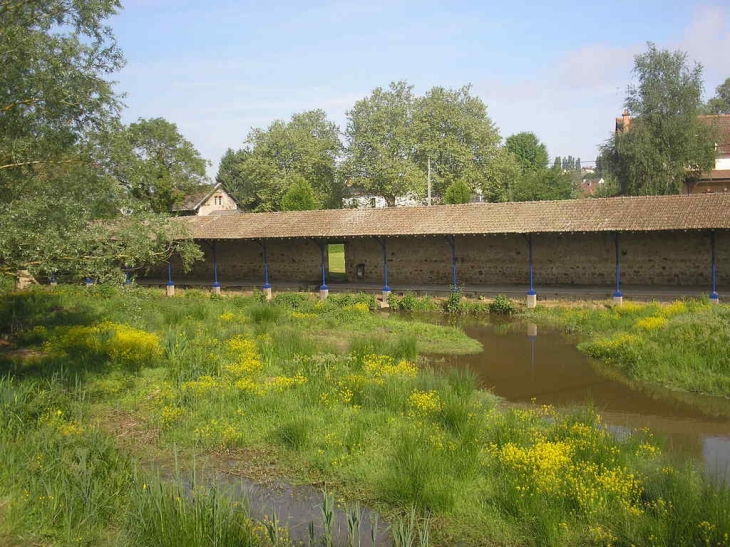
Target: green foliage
{"points": [[543, 184], [666, 143], [502, 305], [720, 103], [259, 174], [531, 154], [453, 131], [458, 192], [392, 136], [153, 162], [56, 199], [380, 143], [453, 302], [680, 345], [299, 196], [411, 302]]}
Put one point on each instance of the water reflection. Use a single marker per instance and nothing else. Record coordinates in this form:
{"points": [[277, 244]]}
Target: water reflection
{"points": [[550, 370]]}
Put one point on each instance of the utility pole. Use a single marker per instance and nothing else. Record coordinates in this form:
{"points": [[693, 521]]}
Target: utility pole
{"points": [[429, 181]]}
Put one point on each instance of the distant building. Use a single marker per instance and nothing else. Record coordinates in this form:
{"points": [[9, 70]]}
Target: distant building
{"points": [[717, 180], [208, 200]]}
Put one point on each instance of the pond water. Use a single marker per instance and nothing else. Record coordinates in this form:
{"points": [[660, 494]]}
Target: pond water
{"points": [[522, 363]]}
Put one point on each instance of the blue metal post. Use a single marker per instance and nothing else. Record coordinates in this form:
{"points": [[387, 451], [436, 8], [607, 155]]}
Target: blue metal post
{"points": [[452, 244], [127, 278], [169, 275], [713, 294], [618, 293], [323, 249], [531, 292], [266, 265], [88, 282], [384, 247], [215, 266]]}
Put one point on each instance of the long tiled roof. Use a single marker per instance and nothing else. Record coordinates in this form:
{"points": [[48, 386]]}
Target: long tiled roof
{"points": [[646, 213]]}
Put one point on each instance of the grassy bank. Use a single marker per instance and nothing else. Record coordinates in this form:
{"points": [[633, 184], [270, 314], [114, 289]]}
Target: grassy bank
{"points": [[316, 392], [683, 345]]}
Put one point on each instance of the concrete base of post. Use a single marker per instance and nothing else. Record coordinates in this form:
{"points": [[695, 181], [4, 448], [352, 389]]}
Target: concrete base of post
{"points": [[53, 283], [23, 280], [385, 295], [170, 290], [215, 289], [267, 293], [618, 300], [531, 300], [323, 293], [89, 282], [714, 298]]}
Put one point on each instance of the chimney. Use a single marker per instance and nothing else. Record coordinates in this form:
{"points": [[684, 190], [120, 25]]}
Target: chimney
{"points": [[626, 119]]}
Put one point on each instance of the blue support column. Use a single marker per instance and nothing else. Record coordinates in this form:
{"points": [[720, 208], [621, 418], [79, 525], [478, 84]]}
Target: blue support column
{"points": [[618, 296], [266, 287], [170, 286], [452, 243], [386, 288], [531, 294], [714, 297], [384, 247], [323, 289], [216, 285], [127, 278], [88, 282], [53, 281]]}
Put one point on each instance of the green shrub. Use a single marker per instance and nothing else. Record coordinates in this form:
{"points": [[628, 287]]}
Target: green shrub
{"points": [[502, 305], [293, 434], [453, 302], [293, 300]]}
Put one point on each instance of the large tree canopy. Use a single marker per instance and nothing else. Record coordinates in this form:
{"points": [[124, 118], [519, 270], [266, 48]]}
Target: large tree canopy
{"points": [[393, 136], [381, 143], [154, 163], [56, 205], [665, 144], [258, 175], [531, 154]]}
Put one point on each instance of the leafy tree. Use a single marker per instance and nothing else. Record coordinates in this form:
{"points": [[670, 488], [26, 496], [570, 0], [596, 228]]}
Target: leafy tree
{"points": [[529, 151], [56, 206], [543, 184], [577, 165], [558, 162], [381, 144], [504, 169], [299, 196], [720, 103], [458, 192], [155, 163], [455, 134], [259, 173], [666, 143]]}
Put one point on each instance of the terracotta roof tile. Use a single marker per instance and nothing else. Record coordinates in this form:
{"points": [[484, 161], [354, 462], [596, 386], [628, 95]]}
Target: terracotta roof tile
{"points": [[646, 213]]}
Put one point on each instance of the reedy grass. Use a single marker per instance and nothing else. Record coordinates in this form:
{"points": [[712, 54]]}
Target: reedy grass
{"points": [[382, 431], [682, 345]]}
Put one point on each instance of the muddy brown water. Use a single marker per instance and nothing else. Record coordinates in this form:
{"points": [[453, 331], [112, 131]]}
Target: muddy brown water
{"points": [[523, 363]]}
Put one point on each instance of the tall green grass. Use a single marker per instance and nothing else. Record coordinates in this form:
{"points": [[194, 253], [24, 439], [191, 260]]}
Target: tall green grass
{"points": [[681, 345]]}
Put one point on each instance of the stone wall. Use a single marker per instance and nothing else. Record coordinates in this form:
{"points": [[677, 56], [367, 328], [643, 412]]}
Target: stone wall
{"points": [[658, 258], [240, 260]]}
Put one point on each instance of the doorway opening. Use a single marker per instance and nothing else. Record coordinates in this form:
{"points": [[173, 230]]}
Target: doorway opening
{"points": [[336, 262]]}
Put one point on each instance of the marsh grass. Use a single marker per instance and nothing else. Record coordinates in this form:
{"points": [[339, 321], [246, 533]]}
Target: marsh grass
{"points": [[359, 415], [682, 345]]}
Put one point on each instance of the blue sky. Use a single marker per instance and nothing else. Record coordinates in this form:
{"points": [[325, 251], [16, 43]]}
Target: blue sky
{"points": [[219, 68]]}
